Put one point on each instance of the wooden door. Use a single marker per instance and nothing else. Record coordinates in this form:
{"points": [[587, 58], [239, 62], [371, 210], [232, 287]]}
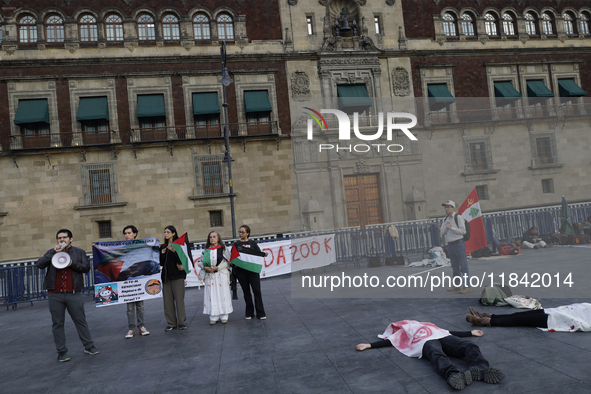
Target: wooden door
{"points": [[362, 195]]}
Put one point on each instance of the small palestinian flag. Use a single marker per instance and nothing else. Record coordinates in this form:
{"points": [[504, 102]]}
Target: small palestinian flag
{"points": [[247, 259], [181, 246]]}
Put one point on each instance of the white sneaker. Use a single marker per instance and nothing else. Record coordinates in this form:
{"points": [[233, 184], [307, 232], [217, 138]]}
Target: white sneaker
{"points": [[144, 331], [129, 334]]}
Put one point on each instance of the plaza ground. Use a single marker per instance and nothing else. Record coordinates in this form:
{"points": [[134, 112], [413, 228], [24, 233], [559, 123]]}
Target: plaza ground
{"points": [[307, 345]]}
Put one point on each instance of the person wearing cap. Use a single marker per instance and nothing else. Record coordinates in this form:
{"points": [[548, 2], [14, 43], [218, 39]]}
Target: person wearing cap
{"points": [[453, 229], [64, 291], [531, 240]]}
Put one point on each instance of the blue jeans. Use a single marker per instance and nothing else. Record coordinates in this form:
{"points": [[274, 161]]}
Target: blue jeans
{"points": [[459, 262]]}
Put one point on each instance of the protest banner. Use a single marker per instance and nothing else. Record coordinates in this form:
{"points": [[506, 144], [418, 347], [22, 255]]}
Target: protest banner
{"points": [[284, 256], [126, 271]]}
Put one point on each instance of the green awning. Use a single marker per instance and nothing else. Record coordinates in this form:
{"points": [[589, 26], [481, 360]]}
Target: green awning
{"points": [[93, 108], [505, 90], [257, 101], [150, 105], [353, 96], [538, 89], [206, 103], [32, 111], [569, 88], [439, 96]]}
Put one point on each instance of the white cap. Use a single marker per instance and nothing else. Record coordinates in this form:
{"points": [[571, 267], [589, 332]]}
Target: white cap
{"points": [[450, 203]]}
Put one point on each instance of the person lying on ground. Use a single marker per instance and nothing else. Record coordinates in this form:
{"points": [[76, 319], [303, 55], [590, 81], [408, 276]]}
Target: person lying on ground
{"points": [[416, 339], [566, 318]]}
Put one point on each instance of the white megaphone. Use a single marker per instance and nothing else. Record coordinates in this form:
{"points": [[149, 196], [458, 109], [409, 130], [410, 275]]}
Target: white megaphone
{"points": [[60, 260]]}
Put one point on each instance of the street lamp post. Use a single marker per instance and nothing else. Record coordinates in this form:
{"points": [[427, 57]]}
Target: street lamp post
{"points": [[226, 81]]}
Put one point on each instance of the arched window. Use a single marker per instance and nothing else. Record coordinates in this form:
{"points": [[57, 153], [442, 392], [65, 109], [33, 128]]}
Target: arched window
{"points": [[490, 23], [530, 24], [547, 27], [170, 27], [201, 27], [225, 27], [467, 25], [114, 28], [88, 28], [54, 28], [584, 27], [508, 24], [27, 29], [449, 25], [145, 28], [569, 23]]}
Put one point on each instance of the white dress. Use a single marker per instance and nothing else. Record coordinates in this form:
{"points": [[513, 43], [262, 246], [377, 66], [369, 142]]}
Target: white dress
{"points": [[217, 299]]}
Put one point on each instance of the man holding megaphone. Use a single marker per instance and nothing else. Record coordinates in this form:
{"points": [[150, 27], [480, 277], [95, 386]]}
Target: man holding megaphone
{"points": [[64, 282]]}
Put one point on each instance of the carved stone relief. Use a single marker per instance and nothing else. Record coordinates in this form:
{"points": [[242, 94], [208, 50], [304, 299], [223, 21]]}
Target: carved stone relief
{"points": [[300, 86], [390, 2], [292, 2], [362, 166], [401, 82]]}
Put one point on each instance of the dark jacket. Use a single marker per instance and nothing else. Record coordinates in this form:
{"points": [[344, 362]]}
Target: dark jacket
{"points": [[80, 265], [169, 261], [527, 236]]}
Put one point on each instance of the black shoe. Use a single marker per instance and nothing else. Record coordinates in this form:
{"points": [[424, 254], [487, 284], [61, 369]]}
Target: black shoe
{"points": [[488, 374], [63, 357], [92, 351], [184, 327], [169, 328], [460, 380]]}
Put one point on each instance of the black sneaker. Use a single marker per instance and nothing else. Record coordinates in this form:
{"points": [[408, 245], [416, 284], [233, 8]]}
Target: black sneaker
{"points": [[92, 351], [184, 327], [169, 328], [62, 357]]}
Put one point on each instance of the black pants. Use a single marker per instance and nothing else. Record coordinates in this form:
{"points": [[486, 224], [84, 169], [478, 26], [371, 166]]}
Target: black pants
{"points": [[438, 352], [248, 280], [533, 318]]}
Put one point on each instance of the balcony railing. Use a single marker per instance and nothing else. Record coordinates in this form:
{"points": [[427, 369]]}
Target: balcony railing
{"points": [[463, 115], [58, 140]]}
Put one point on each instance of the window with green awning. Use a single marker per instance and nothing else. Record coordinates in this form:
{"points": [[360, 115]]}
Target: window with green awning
{"points": [[32, 111], [505, 90], [569, 88], [93, 108], [439, 96], [538, 89], [206, 103], [353, 97], [257, 101], [150, 105]]}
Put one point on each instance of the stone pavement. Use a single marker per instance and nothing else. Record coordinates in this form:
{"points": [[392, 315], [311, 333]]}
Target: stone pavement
{"points": [[305, 346]]}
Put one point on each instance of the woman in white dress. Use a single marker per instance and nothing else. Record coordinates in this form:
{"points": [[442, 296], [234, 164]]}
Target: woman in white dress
{"points": [[217, 300]]}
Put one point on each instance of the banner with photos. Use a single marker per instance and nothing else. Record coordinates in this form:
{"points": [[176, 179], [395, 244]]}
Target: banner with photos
{"points": [[126, 271]]}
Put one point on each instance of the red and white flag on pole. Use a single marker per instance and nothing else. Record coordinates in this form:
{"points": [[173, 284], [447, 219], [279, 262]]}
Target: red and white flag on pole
{"points": [[471, 212]]}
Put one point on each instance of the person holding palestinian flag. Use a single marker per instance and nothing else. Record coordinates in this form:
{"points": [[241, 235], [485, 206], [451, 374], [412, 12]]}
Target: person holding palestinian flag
{"points": [[217, 300], [173, 259], [248, 261]]}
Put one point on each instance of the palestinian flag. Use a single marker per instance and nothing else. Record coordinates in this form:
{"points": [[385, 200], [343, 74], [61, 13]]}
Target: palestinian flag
{"points": [[247, 259], [181, 246], [471, 212]]}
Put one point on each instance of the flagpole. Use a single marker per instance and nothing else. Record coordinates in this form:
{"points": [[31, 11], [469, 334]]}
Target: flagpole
{"points": [[226, 81]]}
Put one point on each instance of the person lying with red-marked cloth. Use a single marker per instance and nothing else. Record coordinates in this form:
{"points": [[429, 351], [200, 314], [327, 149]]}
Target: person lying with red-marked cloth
{"points": [[417, 339]]}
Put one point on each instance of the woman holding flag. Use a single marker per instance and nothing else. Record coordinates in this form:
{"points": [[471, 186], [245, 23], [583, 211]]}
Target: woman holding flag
{"points": [[217, 300], [173, 279], [247, 277]]}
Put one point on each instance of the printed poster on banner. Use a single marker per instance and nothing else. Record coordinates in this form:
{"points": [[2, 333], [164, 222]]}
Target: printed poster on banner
{"points": [[126, 271], [306, 253]]}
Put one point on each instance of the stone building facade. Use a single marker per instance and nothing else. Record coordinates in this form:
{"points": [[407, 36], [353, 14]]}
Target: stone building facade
{"points": [[498, 88], [112, 115]]}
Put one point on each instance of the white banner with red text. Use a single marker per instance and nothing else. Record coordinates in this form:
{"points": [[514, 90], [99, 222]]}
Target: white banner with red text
{"points": [[284, 257]]}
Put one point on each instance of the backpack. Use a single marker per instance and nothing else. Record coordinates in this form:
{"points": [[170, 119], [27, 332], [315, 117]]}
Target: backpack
{"points": [[467, 224]]}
